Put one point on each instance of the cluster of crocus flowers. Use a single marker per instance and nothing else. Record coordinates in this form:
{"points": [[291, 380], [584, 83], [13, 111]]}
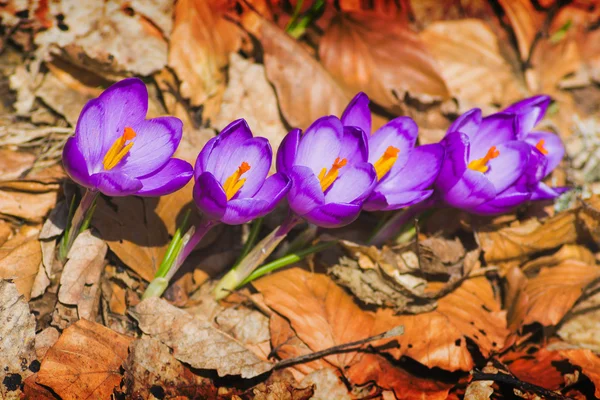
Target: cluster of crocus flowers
{"points": [[326, 175]]}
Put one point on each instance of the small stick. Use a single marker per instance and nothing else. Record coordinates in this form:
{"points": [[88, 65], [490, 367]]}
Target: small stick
{"points": [[516, 383], [397, 331]]}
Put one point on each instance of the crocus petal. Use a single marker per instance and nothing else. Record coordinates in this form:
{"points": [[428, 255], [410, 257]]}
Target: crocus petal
{"points": [[545, 192], [394, 201], [456, 145], [305, 192], [503, 203], [104, 119], [494, 130], [274, 189], [240, 211], [471, 190], [353, 185], [505, 169], [217, 158], [321, 144], [171, 177], [468, 123], [357, 113], [155, 142], [115, 183], [333, 215], [400, 133], [286, 154], [209, 196], [530, 112], [354, 145], [203, 156], [419, 172], [75, 164], [553, 146]]}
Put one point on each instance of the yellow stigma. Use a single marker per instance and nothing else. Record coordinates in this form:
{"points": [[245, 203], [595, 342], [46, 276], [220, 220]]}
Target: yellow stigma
{"points": [[327, 178], [233, 184], [386, 161], [481, 163], [119, 149], [541, 148]]}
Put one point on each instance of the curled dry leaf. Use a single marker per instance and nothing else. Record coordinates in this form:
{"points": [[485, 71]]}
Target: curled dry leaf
{"points": [[85, 362], [133, 231], [199, 51], [29, 200], [467, 51], [250, 96], [546, 298], [319, 311], [589, 364], [528, 237], [439, 338], [150, 364], [196, 341], [383, 57], [567, 252], [17, 337], [21, 262], [289, 67], [80, 279]]}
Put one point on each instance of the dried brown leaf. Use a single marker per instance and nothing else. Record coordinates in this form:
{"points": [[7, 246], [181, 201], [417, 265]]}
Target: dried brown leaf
{"points": [[327, 385], [14, 163], [27, 205], [546, 298], [581, 325], [567, 252], [150, 364], [320, 312], [199, 50], [381, 57], [528, 237], [467, 51], [250, 96], [133, 231], [44, 341], [589, 364], [84, 362], [536, 366], [83, 269], [479, 390], [289, 67], [21, 264], [196, 341], [17, 337]]}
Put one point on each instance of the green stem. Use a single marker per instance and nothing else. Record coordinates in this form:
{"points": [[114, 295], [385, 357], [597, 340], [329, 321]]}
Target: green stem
{"points": [[254, 258], [171, 252], [78, 223], [252, 236], [295, 15], [296, 28], [285, 261]]}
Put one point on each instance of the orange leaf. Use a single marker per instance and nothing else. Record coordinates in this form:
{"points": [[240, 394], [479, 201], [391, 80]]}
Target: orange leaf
{"points": [[536, 367], [589, 364], [322, 313], [546, 298], [388, 376], [85, 362], [439, 338], [381, 57]]}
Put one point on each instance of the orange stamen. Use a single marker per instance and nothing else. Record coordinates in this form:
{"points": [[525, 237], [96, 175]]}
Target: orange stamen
{"points": [[233, 184], [386, 161], [541, 148], [481, 163], [327, 178], [119, 149]]}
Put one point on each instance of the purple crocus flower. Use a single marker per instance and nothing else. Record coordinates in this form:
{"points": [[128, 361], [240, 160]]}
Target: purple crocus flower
{"points": [[329, 170], [495, 163], [547, 147], [405, 173], [118, 152], [231, 177]]}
